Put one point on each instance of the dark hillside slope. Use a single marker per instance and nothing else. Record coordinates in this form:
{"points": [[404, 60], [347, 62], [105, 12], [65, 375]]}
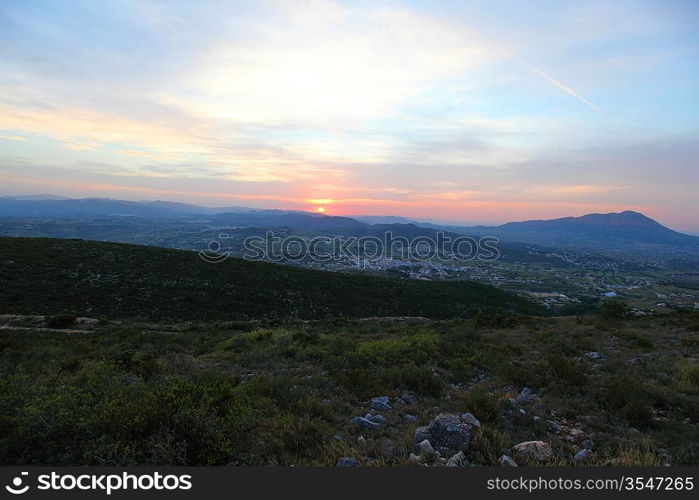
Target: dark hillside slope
{"points": [[112, 280]]}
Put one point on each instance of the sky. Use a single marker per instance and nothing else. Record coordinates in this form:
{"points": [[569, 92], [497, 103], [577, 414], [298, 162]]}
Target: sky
{"points": [[461, 111]]}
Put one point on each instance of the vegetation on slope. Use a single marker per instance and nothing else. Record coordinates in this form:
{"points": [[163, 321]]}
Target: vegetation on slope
{"points": [[100, 392], [111, 280]]}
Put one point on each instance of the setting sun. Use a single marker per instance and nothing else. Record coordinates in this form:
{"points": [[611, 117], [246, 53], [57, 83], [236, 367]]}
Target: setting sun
{"points": [[320, 210]]}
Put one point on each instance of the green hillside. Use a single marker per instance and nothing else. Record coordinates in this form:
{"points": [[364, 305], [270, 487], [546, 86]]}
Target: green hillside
{"points": [[621, 392], [111, 280]]}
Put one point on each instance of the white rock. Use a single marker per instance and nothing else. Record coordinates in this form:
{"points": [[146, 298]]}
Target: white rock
{"points": [[537, 450], [458, 460], [426, 448], [470, 419]]}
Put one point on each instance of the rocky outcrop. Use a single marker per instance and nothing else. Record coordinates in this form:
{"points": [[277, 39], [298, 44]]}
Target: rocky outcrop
{"points": [[365, 423], [534, 450], [458, 460], [448, 433], [346, 462], [380, 403]]}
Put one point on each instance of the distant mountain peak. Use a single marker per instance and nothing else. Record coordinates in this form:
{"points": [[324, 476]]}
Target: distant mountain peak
{"points": [[626, 215], [627, 225]]}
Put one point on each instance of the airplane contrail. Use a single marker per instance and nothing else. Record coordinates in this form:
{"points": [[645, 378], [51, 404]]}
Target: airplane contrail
{"points": [[537, 71], [556, 83]]}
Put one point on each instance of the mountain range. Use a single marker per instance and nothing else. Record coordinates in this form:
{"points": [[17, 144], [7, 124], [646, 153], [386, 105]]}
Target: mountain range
{"points": [[615, 231], [623, 226]]}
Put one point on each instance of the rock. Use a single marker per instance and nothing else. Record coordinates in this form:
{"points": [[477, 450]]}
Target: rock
{"points": [[307, 378], [522, 411], [346, 462], [391, 449], [447, 433], [554, 426], [409, 397], [581, 456], [587, 444], [508, 389], [400, 402], [426, 448], [379, 419], [536, 450], [458, 460], [410, 418], [470, 419], [594, 355], [526, 395], [507, 460], [365, 423], [664, 455], [421, 433], [536, 418], [327, 402], [575, 435], [415, 458], [361, 440], [380, 404], [338, 437]]}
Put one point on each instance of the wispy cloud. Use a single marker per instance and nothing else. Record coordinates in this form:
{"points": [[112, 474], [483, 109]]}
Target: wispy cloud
{"points": [[13, 138]]}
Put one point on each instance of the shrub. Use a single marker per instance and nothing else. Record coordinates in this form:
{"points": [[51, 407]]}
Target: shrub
{"points": [[420, 380], [523, 373], [572, 373], [495, 320], [487, 445], [629, 399], [462, 368], [688, 376], [61, 321], [482, 404], [613, 309]]}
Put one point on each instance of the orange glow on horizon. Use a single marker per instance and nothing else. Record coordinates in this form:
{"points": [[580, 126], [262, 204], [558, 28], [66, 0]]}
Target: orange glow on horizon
{"points": [[457, 211]]}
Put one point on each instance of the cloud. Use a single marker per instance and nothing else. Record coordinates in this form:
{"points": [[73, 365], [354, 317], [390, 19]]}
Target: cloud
{"points": [[328, 68], [13, 138], [366, 103]]}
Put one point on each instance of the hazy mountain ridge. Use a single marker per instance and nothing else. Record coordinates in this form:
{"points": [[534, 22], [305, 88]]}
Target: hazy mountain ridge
{"points": [[612, 231], [623, 232], [627, 225]]}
